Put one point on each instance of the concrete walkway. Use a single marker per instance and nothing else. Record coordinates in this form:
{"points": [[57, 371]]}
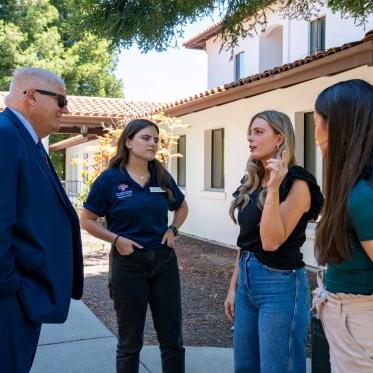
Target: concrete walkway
{"points": [[84, 344]]}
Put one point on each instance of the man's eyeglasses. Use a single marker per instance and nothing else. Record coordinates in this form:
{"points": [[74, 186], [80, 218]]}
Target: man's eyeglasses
{"points": [[61, 100]]}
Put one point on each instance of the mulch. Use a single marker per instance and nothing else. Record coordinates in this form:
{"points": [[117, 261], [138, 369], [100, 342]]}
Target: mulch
{"points": [[205, 271]]}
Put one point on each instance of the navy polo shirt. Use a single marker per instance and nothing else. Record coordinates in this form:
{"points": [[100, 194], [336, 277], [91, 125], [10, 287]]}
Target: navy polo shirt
{"points": [[135, 212]]}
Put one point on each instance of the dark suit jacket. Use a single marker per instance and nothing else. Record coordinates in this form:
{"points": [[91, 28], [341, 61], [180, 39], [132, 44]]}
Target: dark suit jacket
{"points": [[40, 244]]}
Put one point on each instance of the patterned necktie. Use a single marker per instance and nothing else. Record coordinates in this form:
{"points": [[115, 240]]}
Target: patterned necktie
{"points": [[43, 152]]}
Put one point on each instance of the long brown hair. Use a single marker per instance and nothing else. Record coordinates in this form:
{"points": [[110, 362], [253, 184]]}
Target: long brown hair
{"points": [[280, 123], [120, 159], [347, 108]]}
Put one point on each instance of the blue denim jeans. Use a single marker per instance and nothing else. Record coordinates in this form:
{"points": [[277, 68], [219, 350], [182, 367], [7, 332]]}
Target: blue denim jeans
{"points": [[142, 278], [271, 319]]}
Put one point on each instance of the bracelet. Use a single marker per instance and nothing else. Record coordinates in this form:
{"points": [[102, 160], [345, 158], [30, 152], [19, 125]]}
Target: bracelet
{"points": [[174, 229], [115, 240]]}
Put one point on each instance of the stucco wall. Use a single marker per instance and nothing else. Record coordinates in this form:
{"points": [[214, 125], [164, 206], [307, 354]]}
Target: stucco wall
{"points": [[77, 152], [295, 45], [208, 209], [208, 216]]}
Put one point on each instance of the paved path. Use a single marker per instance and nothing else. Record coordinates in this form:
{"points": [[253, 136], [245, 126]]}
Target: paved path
{"points": [[83, 344]]}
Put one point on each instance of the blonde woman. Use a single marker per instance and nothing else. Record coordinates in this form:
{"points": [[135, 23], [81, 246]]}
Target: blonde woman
{"points": [[268, 298]]}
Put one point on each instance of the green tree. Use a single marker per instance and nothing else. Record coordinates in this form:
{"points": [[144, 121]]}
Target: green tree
{"points": [[157, 24], [58, 158], [47, 33]]}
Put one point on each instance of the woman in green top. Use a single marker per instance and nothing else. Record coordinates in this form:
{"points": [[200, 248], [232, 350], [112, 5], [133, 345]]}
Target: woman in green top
{"points": [[344, 236]]}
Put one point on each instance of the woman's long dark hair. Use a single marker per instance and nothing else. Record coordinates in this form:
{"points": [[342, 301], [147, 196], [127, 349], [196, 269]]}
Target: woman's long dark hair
{"points": [[120, 159], [347, 108]]}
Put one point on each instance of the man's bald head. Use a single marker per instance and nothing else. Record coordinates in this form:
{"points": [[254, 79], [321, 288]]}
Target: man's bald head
{"points": [[30, 77], [34, 93]]}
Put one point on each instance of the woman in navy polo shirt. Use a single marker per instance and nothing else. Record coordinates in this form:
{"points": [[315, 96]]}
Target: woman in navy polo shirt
{"points": [[134, 194]]}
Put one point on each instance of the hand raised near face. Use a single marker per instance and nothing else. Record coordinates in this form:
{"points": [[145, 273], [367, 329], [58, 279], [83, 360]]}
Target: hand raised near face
{"points": [[278, 169]]}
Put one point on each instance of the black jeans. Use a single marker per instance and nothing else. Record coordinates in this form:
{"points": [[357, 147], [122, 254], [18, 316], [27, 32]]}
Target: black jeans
{"points": [[147, 276]]}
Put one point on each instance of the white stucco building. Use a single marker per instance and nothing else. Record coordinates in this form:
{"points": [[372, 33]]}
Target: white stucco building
{"points": [[277, 73], [283, 41], [283, 68]]}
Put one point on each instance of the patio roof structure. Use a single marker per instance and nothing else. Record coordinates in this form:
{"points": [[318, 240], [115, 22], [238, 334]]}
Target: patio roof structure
{"points": [[91, 115]]}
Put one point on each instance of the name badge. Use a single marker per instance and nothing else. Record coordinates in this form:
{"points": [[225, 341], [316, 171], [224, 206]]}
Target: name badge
{"points": [[156, 190]]}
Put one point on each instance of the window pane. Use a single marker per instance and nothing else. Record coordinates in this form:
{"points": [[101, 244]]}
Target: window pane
{"points": [[313, 37], [239, 71], [242, 65], [322, 33], [217, 158], [181, 162], [237, 67], [86, 159], [317, 35], [309, 144]]}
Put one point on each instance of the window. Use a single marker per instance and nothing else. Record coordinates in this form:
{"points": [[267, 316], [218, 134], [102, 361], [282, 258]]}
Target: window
{"points": [[85, 161], [317, 35], [239, 69], [313, 161], [217, 158], [309, 144], [181, 161]]}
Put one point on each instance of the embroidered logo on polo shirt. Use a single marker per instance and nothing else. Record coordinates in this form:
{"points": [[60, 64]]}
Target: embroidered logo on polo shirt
{"points": [[123, 193]]}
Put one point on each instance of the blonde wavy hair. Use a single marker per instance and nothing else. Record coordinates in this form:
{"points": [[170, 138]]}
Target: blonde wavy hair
{"points": [[280, 123]]}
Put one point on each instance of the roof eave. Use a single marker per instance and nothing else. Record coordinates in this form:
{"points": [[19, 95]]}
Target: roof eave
{"points": [[199, 41], [62, 145], [350, 58]]}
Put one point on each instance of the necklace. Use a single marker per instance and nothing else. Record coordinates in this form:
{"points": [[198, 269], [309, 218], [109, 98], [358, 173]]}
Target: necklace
{"points": [[137, 176], [141, 177]]}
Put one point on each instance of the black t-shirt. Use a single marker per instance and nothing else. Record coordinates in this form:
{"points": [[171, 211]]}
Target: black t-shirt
{"points": [[288, 255], [135, 212]]}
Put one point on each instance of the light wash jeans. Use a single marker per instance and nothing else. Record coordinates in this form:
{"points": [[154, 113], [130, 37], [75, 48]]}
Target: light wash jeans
{"points": [[271, 319]]}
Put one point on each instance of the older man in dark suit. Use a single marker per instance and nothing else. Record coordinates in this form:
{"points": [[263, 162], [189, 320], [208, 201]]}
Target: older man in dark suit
{"points": [[41, 265]]}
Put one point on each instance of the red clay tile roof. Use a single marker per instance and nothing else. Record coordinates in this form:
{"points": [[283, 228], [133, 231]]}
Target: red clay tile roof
{"points": [[108, 107], [189, 101], [103, 107], [199, 41]]}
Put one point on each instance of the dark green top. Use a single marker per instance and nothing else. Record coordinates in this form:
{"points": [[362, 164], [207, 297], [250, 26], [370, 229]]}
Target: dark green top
{"points": [[355, 275]]}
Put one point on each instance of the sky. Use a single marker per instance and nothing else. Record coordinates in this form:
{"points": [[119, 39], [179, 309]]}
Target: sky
{"points": [[166, 76]]}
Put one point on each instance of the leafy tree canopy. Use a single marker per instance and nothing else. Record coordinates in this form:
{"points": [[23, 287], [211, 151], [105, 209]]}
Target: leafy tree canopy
{"points": [[47, 34], [156, 24]]}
